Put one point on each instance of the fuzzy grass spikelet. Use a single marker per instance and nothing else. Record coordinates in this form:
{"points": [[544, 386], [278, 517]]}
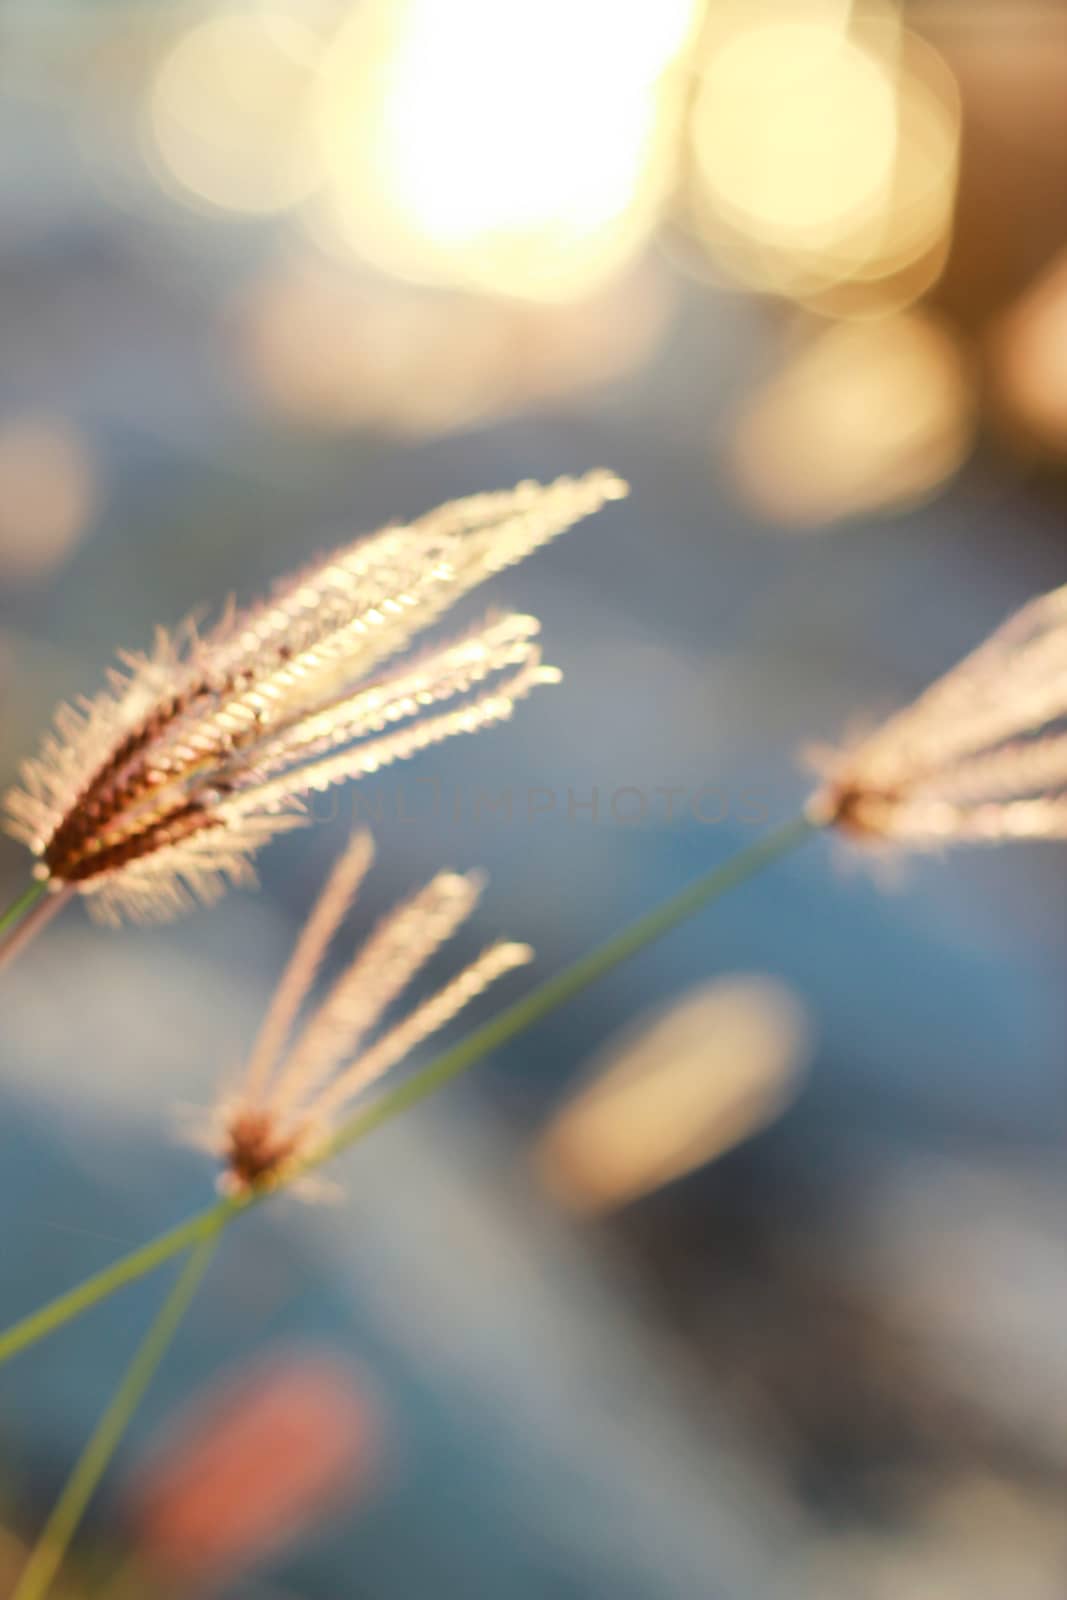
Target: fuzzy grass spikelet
{"points": [[293, 1088], [980, 757], [166, 783]]}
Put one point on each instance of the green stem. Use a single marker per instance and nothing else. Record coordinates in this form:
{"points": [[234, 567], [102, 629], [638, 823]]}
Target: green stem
{"points": [[59, 1530], [546, 998], [18, 908], [587, 970], [29, 914], [104, 1283]]}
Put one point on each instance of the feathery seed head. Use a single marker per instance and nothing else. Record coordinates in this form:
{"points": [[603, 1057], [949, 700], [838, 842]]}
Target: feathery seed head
{"points": [[203, 749], [293, 1088], [980, 757]]}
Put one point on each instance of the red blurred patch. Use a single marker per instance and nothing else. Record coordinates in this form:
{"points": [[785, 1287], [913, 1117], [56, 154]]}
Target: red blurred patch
{"points": [[253, 1462]]}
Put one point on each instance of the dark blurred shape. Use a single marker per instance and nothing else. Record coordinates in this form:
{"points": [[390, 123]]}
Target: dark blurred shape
{"points": [[12, 1556], [984, 1539], [1011, 215], [253, 1463], [862, 1346]]}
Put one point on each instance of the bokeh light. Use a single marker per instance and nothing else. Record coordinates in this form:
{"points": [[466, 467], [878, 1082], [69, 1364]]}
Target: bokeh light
{"points": [[337, 350], [768, 124], [786, 203], [1029, 361], [228, 111], [524, 151], [867, 415], [683, 1088], [49, 485]]}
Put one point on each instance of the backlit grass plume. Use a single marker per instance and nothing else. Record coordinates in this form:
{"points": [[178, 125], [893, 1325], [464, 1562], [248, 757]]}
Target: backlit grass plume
{"points": [[292, 1092], [167, 782], [981, 756]]}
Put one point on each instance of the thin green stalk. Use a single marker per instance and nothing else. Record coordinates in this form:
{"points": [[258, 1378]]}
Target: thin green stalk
{"points": [[18, 908], [59, 1530], [581, 974], [38, 906], [144, 1259], [546, 998]]}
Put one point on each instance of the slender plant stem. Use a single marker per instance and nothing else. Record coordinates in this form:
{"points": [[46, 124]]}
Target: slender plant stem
{"points": [[546, 998], [127, 1268], [35, 908], [581, 974], [50, 1549], [18, 908]]}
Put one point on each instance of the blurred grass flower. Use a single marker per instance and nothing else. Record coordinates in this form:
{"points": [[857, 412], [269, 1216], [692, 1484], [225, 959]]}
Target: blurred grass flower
{"points": [[980, 757], [164, 785], [674, 1091], [284, 1108]]}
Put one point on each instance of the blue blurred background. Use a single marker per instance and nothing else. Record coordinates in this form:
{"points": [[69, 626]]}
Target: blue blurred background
{"points": [[277, 273]]}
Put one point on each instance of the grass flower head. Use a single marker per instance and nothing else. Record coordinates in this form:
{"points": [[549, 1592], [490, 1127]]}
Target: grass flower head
{"points": [[980, 757], [293, 1088], [166, 783]]}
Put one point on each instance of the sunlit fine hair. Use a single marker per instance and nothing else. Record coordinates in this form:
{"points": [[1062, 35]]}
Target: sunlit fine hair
{"points": [[202, 750], [293, 1088], [981, 756]]}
